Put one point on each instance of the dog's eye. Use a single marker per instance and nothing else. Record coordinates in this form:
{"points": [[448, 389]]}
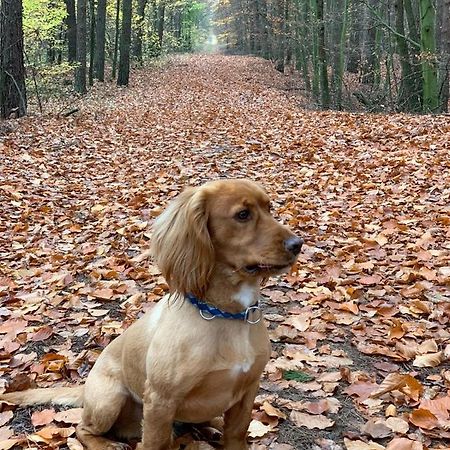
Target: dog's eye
{"points": [[243, 215]]}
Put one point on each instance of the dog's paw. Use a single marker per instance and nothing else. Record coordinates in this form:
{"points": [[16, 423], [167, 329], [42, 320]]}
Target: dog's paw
{"points": [[117, 446]]}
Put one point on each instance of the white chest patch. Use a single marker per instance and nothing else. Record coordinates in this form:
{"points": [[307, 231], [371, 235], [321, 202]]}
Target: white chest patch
{"points": [[239, 368], [246, 296]]}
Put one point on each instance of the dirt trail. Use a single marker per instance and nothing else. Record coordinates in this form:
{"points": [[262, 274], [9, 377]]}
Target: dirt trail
{"points": [[370, 194]]}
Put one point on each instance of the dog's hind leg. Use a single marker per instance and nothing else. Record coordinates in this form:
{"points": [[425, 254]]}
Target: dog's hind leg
{"points": [[104, 398]]}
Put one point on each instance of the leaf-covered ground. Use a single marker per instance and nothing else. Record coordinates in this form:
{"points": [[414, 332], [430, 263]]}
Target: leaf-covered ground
{"points": [[360, 328]]}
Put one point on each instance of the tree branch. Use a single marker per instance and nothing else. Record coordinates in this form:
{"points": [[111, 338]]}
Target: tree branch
{"points": [[386, 25]]}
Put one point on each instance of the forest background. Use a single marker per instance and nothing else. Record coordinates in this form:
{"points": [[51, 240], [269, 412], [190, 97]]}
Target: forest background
{"points": [[348, 54]]}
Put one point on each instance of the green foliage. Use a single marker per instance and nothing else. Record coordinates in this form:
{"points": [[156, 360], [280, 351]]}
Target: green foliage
{"points": [[42, 19], [50, 81], [296, 375]]}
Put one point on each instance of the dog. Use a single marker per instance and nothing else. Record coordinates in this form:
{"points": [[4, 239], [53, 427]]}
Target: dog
{"points": [[200, 352]]}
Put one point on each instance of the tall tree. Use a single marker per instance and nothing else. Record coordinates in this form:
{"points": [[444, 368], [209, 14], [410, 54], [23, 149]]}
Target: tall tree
{"points": [[407, 93], [100, 32], [444, 66], [341, 39], [116, 39], [314, 50], [137, 44], [71, 33], [92, 43], [161, 15], [80, 71], [13, 97], [428, 50], [322, 55], [125, 42]]}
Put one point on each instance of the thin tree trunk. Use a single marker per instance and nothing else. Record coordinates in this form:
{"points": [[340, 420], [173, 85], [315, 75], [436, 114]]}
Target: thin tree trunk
{"points": [[125, 42], [100, 31], [91, 41], [281, 38], [321, 53], [80, 71], [368, 68], [412, 13], [116, 40], [314, 53], [137, 45], [161, 16], [407, 99], [13, 96], [71, 24], [354, 54], [339, 77], [444, 65], [428, 49]]}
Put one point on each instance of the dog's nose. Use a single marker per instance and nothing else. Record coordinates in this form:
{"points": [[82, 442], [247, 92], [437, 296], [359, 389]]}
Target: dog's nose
{"points": [[294, 244]]}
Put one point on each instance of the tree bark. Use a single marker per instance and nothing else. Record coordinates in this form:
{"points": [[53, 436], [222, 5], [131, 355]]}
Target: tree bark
{"points": [[71, 33], [80, 71], [407, 99], [338, 70], [13, 96], [281, 36], [428, 50], [444, 65], [137, 45], [100, 31], [125, 42], [92, 43], [368, 68], [161, 16], [322, 55], [412, 13], [116, 40]]}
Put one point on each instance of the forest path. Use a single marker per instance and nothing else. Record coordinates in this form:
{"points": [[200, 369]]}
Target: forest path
{"points": [[369, 193]]}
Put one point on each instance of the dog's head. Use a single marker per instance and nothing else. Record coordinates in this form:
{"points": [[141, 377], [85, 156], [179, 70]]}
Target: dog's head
{"points": [[224, 222]]}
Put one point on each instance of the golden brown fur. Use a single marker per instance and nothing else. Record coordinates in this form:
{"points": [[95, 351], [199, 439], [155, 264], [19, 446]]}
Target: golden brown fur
{"points": [[217, 241]]}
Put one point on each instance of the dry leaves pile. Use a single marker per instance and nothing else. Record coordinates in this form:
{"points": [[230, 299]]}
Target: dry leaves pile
{"points": [[360, 328]]}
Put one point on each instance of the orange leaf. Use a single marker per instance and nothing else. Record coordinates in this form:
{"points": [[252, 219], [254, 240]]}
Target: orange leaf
{"points": [[423, 418], [43, 417]]}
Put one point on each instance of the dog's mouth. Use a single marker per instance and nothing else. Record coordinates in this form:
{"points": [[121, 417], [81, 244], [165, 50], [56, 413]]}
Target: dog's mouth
{"points": [[255, 269]]}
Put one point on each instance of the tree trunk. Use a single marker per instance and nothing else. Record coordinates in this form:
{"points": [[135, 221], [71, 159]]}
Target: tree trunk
{"points": [[368, 68], [100, 31], [321, 53], [91, 41], [137, 45], [80, 71], [71, 24], [354, 54], [444, 65], [428, 50], [116, 40], [412, 13], [281, 38], [125, 42], [13, 96], [161, 15], [339, 69], [407, 97]]}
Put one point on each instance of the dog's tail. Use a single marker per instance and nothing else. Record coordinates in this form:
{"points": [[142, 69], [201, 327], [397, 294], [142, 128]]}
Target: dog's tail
{"points": [[68, 396]]}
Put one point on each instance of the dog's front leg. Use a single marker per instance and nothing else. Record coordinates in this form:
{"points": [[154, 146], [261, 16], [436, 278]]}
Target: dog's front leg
{"points": [[237, 420], [159, 412]]}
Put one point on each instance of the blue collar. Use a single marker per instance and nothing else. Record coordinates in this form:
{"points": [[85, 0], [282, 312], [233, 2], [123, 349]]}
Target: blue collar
{"points": [[252, 314]]}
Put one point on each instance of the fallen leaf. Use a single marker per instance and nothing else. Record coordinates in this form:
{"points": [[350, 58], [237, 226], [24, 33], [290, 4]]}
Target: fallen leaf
{"points": [[310, 421]]}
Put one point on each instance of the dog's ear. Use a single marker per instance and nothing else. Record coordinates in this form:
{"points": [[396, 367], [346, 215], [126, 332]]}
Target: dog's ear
{"points": [[181, 244]]}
